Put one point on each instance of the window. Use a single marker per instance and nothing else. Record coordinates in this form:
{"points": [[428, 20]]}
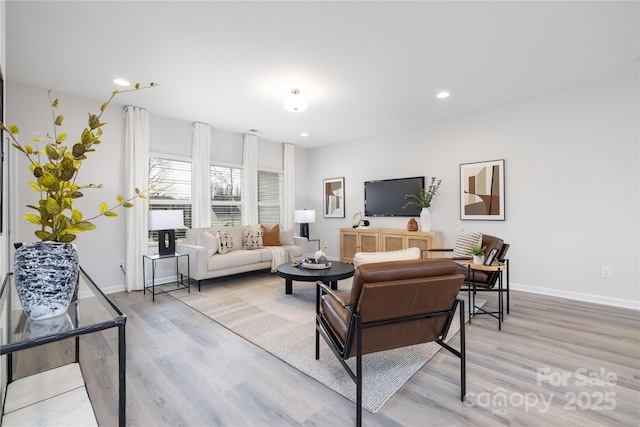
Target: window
{"points": [[226, 195], [270, 191], [171, 188]]}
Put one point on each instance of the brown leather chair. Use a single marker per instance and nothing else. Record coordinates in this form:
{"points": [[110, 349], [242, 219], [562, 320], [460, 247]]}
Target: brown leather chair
{"points": [[391, 305], [485, 281]]}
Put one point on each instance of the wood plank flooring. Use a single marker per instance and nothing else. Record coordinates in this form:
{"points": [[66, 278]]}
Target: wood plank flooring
{"points": [[184, 369]]}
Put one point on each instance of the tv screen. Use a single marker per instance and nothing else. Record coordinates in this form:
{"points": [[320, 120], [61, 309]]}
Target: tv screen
{"points": [[386, 197]]}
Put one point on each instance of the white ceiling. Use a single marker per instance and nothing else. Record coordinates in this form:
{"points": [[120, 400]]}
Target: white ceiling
{"points": [[367, 67]]}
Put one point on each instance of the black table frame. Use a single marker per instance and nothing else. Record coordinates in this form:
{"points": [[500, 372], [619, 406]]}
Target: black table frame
{"points": [[472, 289], [329, 276], [179, 276], [117, 322]]}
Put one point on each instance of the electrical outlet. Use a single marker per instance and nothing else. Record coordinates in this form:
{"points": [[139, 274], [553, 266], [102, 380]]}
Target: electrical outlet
{"points": [[606, 272], [120, 263]]}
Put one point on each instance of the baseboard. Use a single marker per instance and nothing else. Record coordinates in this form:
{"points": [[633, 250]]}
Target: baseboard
{"points": [[597, 299], [113, 289], [121, 288]]}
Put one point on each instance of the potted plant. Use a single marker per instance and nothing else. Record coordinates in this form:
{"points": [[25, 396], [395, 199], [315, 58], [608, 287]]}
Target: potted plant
{"points": [[423, 200], [478, 253], [55, 168]]}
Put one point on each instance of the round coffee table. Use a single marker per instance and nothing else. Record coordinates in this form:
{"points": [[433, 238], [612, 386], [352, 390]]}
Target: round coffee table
{"points": [[330, 276]]}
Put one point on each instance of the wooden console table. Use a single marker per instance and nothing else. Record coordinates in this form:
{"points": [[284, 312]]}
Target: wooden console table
{"points": [[354, 240]]}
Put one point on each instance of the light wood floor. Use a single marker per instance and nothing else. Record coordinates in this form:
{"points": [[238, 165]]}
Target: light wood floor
{"points": [[184, 369]]}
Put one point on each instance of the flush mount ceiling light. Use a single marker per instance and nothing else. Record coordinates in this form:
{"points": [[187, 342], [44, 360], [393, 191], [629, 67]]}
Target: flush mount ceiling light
{"points": [[304, 134], [443, 95], [121, 82], [295, 102]]}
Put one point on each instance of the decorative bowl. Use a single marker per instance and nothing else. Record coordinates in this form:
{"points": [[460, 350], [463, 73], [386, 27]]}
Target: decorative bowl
{"points": [[315, 266]]}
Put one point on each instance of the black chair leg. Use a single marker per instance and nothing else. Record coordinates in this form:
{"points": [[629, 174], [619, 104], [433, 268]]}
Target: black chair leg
{"points": [[463, 357], [359, 372]]}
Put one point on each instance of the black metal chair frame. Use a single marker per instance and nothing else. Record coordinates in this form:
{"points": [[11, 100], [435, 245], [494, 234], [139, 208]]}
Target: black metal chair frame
{"points": [[355, 331]]}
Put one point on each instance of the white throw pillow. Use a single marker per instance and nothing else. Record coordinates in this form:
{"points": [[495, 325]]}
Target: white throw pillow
{"points": [[209, 241], [286, 237], [464, 241], [370, 257]]}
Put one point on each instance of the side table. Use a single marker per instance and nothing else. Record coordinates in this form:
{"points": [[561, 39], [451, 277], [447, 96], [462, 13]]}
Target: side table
{"points": [[180, 284], [494, 267], [28, 400]]}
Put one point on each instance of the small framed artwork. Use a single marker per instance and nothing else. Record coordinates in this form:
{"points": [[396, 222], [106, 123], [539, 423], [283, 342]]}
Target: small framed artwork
{"points": [[492, 255], [333, 198], [482, 190]]}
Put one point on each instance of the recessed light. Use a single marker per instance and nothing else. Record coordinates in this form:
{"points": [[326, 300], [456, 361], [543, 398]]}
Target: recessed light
{"points": [[443, 95], [304, 134], [121, 82]]}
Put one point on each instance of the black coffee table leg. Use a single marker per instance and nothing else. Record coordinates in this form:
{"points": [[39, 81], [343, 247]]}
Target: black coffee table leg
{"points": [[288, 286], [334, 285]]}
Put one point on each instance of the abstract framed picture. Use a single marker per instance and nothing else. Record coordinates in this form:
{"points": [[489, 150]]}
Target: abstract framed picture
{"points": [[333, 198], [482, 190]]}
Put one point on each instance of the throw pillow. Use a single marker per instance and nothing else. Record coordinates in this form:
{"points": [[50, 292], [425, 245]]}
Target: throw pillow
{"points": [[286, 237], [464, 241], [209, 241], [271, 237], [252, 239], [371, 257], [225, 244]]}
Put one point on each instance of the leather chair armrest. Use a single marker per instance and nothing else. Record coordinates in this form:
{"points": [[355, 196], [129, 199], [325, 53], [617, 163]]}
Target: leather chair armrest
{"points": [[328, 291]]}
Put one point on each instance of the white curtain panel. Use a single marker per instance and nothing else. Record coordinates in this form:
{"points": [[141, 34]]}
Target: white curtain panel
{"points": [[250, 196], [289, 184], [201, 153], [136, 175]]}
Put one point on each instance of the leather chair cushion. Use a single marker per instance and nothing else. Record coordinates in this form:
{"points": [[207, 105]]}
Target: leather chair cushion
{"points": [[391, 290], [398, 270]]}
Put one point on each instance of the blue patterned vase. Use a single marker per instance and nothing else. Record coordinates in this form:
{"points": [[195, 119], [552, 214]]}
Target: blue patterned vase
{"points": [[46, 276]]}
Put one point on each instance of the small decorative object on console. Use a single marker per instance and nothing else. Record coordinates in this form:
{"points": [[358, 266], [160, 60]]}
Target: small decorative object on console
{"points": [[412, 225]]}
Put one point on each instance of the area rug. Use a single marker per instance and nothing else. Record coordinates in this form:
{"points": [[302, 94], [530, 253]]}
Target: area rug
{"points": [[256, 308]]}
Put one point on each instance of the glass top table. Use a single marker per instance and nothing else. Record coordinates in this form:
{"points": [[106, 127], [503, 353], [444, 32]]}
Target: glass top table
{"points": [[90, 311]]}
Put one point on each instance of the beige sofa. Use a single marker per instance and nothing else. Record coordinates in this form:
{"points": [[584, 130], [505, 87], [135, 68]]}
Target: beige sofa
{"points": [[206, 261]]}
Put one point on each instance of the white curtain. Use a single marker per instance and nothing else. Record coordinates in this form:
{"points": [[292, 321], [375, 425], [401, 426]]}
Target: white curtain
{"points": [[250, 196], [200, 152], [289, 185], [136, 175]]}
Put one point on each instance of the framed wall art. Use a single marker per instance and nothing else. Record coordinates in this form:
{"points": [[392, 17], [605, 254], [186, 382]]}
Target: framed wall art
{"points": [[482, 190], [333, 198]]}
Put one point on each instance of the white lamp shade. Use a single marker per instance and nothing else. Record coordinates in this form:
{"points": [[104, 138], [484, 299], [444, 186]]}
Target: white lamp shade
{"points": [[166, 220], [295, 102], [304, 216]]}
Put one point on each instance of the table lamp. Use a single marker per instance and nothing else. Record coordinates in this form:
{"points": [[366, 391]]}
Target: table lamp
{"points": [[165, 222], [304, 217]]}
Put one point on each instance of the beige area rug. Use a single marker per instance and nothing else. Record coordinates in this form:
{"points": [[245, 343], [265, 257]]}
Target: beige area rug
{"points": [[256, 308]]}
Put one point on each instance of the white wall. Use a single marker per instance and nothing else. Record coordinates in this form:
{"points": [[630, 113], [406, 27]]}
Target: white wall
{"points": [[572, 185], [101, 249]]}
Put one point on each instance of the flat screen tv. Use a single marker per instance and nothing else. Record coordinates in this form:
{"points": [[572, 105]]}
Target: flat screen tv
{"points": [[386, 197]]}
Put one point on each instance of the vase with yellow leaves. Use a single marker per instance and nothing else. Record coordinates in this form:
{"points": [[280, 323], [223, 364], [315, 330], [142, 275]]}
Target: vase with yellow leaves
{"points": [[46, 271]]}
